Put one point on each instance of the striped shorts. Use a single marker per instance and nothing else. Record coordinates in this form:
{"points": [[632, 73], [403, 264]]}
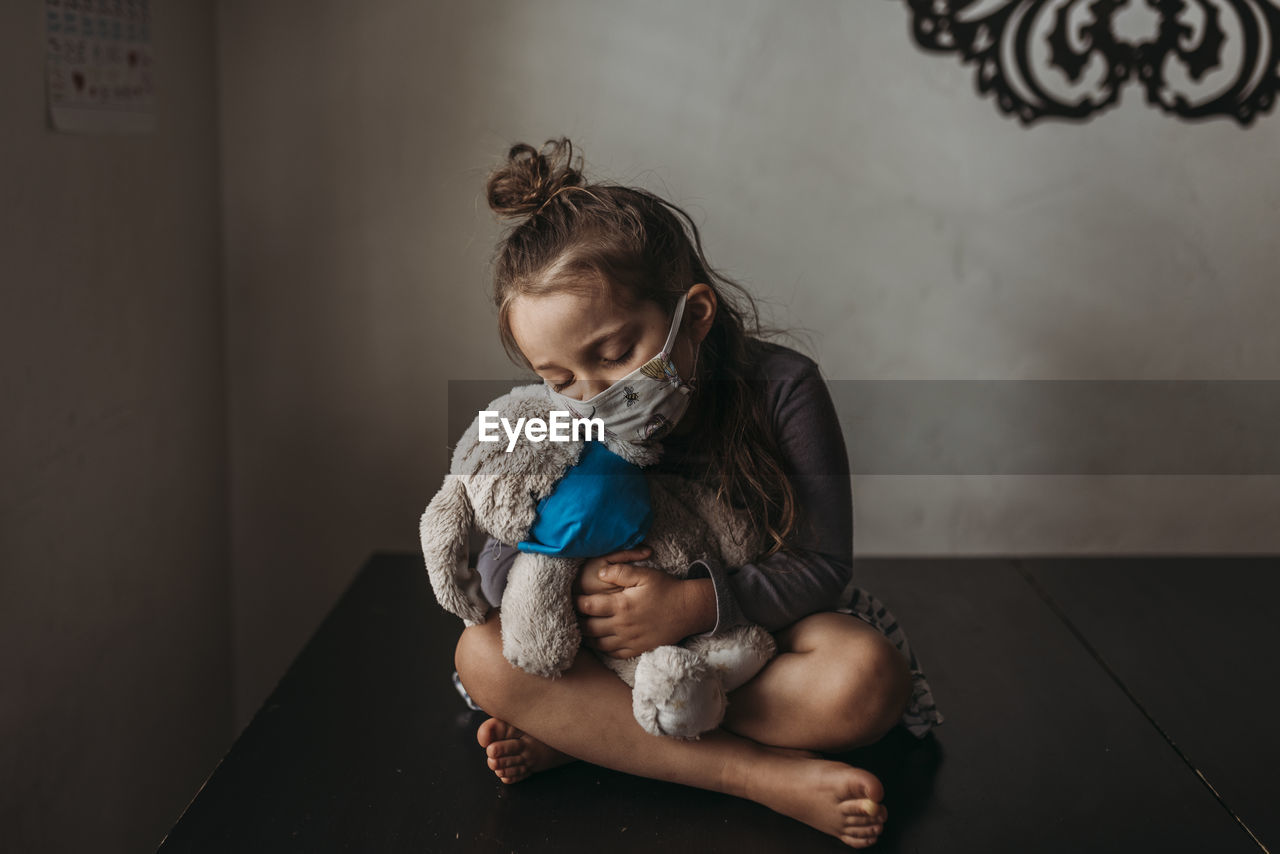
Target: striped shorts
{"points": [[922, 712]]}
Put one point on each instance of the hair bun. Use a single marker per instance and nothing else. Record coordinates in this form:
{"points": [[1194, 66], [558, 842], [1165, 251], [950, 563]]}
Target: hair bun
{"points": [[529, 178]]}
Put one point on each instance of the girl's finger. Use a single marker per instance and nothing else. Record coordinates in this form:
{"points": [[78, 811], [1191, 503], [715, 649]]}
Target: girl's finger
{"points": [[625, 574], [628, 555], [597, 605], [596, 627], [607, 644], [590, 584]]}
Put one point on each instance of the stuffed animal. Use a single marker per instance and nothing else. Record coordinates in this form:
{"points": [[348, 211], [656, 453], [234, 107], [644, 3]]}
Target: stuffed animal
{"points": [[496, 486]]}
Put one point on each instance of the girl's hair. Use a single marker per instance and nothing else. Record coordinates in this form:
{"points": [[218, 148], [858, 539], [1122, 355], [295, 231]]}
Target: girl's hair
{"points": [[575, 236]]}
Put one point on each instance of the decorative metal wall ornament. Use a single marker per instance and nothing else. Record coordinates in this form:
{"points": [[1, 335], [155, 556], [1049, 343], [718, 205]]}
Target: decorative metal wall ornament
{"points": [[1067, 59]]}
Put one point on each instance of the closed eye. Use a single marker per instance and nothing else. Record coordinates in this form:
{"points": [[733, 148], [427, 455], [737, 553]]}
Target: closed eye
{"points": [[621, 359], [608, 363]]}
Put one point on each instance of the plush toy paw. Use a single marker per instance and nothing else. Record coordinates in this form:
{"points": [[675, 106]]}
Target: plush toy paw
{"points": [[737, 655], [539, 651], [676, 693]]}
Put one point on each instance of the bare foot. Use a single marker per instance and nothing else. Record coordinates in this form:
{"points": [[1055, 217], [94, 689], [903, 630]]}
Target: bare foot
{"points": [[833, 797], [513, 755]]}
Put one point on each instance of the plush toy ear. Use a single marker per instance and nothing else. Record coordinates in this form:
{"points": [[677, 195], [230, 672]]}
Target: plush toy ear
{"points": [[443, 530]]}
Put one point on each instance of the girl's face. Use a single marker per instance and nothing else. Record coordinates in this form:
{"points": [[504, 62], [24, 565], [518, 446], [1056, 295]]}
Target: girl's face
{"points": [[583, 343]]}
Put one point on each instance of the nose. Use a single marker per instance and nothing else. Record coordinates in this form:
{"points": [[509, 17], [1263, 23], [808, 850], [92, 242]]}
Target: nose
{"points": [[588, 389]]}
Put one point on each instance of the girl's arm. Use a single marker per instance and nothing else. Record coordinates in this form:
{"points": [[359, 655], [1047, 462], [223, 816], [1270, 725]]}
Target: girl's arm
{"points": [[782, 588], [775, 592]]}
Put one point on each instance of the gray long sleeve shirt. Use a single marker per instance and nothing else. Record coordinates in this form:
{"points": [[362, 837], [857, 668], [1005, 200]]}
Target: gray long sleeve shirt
{"points": [[778, 590]]}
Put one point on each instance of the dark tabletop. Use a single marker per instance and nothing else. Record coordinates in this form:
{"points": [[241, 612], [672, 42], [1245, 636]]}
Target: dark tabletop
{"points": [[1092, 705]]}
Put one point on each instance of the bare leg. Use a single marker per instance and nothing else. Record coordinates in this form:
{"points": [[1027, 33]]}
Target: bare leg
{"points": [[830, 796], [837, 683]]}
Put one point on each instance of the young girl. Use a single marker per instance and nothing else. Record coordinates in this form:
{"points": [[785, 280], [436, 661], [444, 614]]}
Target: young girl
{"points": [[587, 283]]}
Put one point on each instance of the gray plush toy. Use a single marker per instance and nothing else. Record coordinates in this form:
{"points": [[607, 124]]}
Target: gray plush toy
{"points": [[676, 690]]}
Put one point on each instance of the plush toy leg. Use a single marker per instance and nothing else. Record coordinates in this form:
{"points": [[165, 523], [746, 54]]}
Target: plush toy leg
{"points": [[737, 655], [676, 693], [539, 627]]}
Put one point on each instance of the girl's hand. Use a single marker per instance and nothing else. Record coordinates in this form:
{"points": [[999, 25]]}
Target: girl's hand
{"points": [[589, 581], [628, 609]]}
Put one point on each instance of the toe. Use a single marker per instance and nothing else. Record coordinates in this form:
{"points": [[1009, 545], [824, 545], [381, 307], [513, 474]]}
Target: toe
{"points": [[862, 785], [486, 733], [506, 747], [507, 762], [514, 775], [870, 831], [855, 842], [872, 788], [860, 807], [494, 730], [864, 806], [863, 819]]}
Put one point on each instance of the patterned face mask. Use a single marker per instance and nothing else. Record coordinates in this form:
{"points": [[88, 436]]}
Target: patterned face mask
{"points": [[643, 406]]}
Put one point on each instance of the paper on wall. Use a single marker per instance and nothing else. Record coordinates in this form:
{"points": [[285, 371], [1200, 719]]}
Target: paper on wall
{"points": [[98, 66]]}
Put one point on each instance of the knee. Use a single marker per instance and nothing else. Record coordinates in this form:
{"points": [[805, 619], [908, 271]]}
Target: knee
{"points": [[480, 665], [869, 697]]}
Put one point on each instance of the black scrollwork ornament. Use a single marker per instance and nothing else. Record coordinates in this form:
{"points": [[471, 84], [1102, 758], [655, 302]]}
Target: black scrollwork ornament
{"points": [[1067, 59]]}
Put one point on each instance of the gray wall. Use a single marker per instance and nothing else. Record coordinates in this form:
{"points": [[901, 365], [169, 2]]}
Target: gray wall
{"points": [[857, 184], [114, 623]]}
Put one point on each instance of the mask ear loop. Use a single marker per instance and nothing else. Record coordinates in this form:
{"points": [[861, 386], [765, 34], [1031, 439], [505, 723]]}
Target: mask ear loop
{"points": [[675, 326], [692, 380]]}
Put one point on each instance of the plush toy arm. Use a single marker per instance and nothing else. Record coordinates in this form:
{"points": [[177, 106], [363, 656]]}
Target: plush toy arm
{"points": [[539, 626], [443, 531], [737, 655]]}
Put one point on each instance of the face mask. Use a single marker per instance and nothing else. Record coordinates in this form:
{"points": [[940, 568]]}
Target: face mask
{"points": [[643, 406]]}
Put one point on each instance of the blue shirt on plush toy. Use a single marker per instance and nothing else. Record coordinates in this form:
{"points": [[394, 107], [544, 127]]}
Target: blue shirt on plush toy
{"points": [[601, 505]]}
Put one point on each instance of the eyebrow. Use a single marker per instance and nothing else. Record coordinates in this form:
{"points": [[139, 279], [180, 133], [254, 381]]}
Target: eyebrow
{"points": [[593, 343]]}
